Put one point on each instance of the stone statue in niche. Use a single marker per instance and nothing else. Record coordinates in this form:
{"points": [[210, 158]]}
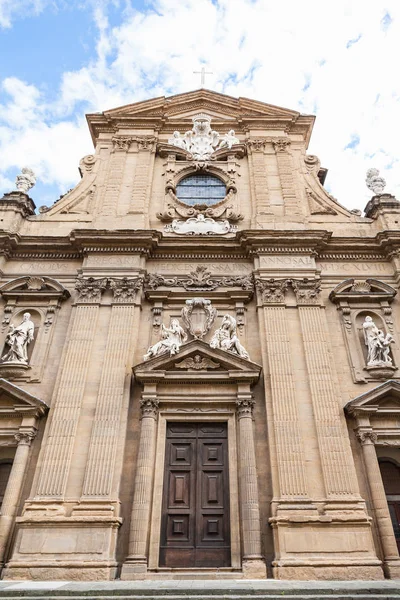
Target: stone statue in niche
{"points": [[171, 340], [378, 344], [18, 339], [225, 338]]}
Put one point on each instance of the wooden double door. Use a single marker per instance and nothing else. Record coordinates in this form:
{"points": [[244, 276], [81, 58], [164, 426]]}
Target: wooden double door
{"points": [[195, 526]]}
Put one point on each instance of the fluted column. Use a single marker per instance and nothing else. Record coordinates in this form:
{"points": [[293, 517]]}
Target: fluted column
{"points": [[14, 487], [253, 565], [99, 472], [334, 447], [68, 397], [391, 558], [286, 423], [136, 562]]}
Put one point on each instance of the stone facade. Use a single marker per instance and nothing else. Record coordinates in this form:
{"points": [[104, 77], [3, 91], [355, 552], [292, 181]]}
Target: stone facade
{"points": [[276, 274]]}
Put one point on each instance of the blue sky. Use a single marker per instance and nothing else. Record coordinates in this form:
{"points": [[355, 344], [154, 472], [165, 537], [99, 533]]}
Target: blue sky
{"points": [[61, 59]]}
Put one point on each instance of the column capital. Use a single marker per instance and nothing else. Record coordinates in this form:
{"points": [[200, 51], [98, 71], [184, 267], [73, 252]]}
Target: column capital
{"points": [[124, 289], [307, 291], [244, 407], [149, 407], [272, 290], [90, 289], [25, 438], [121, 143], [367, 438], [281, 144]]}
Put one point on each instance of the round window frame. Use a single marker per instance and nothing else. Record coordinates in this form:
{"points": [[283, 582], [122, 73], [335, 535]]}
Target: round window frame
{"points": [[201, 206]]}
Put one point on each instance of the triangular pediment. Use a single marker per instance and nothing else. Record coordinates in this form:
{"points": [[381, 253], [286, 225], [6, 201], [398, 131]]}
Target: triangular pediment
{"points": [[165, 111], [14, 399], [384, 398], [197, 361]]}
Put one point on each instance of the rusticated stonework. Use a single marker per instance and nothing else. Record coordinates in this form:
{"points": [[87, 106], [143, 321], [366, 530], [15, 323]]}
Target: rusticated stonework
{"points": [[200, 237]]}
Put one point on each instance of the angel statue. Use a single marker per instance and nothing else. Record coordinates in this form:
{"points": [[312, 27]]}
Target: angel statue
{"points": [[378, 344], [18, 339], [171, 341], [374, 181], [225, 338]]}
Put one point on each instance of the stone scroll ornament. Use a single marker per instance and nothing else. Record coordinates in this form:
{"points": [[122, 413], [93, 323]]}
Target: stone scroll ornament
{"points": [[378, 345], [201, 141], [225, 338], [17, 340], [171, 341], [200, 225]]}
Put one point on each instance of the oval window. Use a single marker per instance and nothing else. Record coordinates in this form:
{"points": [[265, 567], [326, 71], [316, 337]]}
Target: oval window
{"points": [[201, 189]]}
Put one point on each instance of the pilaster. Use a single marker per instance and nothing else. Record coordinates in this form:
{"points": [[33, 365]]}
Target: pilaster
{"points": [[69, 392], [334, 447], [285, 168], [114, 384], [289, 445]]}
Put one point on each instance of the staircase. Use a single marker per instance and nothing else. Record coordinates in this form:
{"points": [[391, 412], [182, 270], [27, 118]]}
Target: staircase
{"points": [[202, 590]]}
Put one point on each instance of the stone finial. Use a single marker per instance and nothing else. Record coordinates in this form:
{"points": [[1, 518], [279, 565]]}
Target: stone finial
{"points": [[25, 180], [374, 181]]}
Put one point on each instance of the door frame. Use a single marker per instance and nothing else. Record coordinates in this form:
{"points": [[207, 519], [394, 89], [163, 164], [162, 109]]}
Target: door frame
{"points": [[170, 414]]}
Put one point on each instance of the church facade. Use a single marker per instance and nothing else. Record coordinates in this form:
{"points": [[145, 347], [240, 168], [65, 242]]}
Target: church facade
{"points": [[200, 368]]}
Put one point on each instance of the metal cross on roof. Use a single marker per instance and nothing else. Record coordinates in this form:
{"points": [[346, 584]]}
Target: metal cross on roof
{"points": [[203, 74]]}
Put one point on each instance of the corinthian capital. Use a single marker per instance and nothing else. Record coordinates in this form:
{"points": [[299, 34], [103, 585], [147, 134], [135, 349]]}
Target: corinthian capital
{"points": [[90, 289], [366, 437], [149, 407], [124, 290], [256, 144], [244, 407], [272, 290], [24, 438], [281, 144], [307, 290], [122, 143]]}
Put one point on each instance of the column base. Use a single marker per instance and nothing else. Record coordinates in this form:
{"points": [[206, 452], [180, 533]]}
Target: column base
{"points": [[254, 568], [134, 569], [391, 568]]}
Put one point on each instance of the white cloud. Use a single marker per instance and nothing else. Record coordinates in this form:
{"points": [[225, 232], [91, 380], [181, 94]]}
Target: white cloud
{"points": [[332, 59], [11, 9]]}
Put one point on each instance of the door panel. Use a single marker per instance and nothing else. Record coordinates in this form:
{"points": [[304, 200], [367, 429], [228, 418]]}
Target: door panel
{"points": [[195, 517]]}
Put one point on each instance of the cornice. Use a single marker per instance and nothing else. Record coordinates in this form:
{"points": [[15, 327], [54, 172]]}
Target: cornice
{"points": [[319, 243]]}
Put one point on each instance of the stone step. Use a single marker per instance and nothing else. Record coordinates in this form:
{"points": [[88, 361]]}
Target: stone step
{"points": [[188, 595], [201, 590]]}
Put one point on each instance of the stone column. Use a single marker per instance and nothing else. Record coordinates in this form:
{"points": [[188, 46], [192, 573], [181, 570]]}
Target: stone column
{"points": [[334, 446], [286, 424], [252, 564], [114, 175], [100, 467], [391, 560], [68, 396], [135, 566], [14, 487]]}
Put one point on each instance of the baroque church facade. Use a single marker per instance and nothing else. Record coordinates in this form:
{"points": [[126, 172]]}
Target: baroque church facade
{"points": [[200, 357]]}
